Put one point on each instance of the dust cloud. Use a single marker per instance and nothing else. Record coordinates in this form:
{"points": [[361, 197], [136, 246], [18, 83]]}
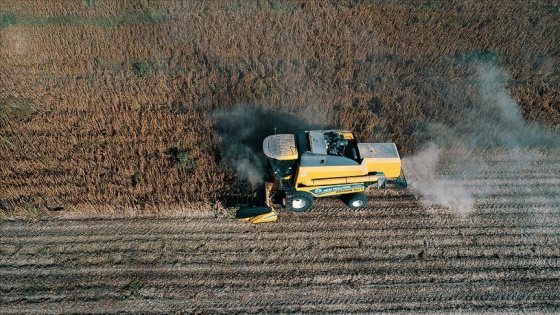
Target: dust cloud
{"points": [[241, 131], [421, 171], [487, 118]]}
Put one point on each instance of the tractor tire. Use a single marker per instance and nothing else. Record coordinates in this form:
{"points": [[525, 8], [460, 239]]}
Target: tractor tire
{"points": [[355, 201], [247, 212], [299, 201]]}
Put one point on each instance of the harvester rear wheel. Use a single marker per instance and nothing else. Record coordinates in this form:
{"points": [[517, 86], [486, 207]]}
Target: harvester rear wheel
{"points": [[299, 201], [355, 201]]}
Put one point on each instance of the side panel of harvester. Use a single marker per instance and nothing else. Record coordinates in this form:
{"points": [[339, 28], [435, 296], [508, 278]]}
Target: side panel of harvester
{"points": [[333, 190], [380, 161]]}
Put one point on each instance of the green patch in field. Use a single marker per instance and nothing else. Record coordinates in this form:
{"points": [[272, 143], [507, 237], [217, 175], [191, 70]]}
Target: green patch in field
{"points": [[444, 23], [33, 211], [17, 108], [148, 15], [483, 56], [185, 161], [280, 6], [9, 19], [252, 6], [181, 158], [431, 5], [141, 68], [144, 16]]}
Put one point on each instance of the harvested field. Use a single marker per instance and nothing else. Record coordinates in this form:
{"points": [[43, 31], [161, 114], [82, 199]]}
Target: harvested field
{"points": [[398, 255], [124, 126]]}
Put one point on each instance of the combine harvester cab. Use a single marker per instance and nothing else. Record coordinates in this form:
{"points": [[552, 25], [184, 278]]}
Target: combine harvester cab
{"points": [[321, 163]]}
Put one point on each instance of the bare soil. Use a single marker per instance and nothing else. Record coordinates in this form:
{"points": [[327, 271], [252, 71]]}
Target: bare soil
{"points": [[398, 255]]}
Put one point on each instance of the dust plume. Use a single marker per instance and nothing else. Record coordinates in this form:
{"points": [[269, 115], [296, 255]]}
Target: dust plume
{"points": [[240, 133], [422, 169], [487, 118]]}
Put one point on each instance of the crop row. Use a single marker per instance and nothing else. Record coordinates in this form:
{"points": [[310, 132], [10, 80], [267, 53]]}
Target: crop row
{"points": [[331, 259], [283, 294]]}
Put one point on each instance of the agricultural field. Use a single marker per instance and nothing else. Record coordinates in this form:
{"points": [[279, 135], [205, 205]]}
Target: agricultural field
{"points": [[128, 127], [398, 255], [148, 106]]}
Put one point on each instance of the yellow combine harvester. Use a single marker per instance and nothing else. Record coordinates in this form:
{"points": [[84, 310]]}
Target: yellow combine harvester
{"points": [[321, 163]]}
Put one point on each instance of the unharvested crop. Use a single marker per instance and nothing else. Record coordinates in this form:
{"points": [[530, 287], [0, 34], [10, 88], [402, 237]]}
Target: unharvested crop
{"points": [[96, 96]]}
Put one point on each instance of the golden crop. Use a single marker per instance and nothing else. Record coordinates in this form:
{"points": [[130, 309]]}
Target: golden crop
{"points": [[110, 103]]}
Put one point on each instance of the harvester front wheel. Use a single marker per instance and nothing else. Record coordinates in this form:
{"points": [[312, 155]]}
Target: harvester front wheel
{"points": [[299, 201], [355, 201]]}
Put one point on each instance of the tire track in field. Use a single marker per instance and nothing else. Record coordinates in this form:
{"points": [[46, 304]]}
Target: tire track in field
{"points": [[285, 273]]}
